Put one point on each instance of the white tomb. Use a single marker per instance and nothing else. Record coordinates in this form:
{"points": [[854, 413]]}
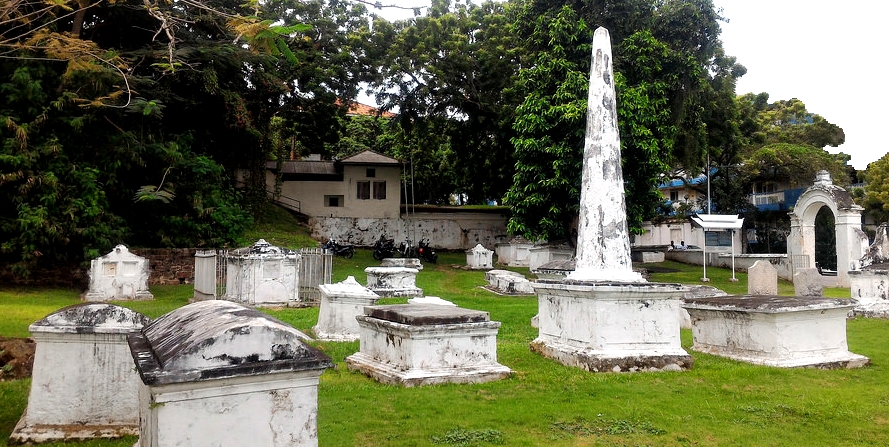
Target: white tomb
{"points": [[425, 344], [774, 330], [604, 317], [119, 275], [218, 373], [870, 285], [515, 253], [411, 263], [340, 304], [83, 384], [508, 282], [393, 281], [479, 258], [262, 275], [870, 288]]}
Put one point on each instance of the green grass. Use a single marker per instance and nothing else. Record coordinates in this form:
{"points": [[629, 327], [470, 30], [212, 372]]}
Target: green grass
{"points": [[719, 402]]}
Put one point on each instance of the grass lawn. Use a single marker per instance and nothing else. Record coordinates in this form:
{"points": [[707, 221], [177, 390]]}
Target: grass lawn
{"points": [[719, 402]]}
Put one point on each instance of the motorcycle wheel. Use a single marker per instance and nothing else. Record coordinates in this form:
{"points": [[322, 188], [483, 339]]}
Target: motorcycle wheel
{"points": [[434, 258], [377, 255], [348, 253]]}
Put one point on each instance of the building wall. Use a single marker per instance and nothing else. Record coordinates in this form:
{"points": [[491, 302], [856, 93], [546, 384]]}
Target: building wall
{"points": [[315, 196]]}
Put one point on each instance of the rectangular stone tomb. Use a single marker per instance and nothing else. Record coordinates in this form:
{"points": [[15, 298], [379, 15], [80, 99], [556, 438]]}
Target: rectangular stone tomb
{"points": [[218, 373], [611, 327], [340, 304], [393, 281], [83, 385], [424, 344], [774, 330]]}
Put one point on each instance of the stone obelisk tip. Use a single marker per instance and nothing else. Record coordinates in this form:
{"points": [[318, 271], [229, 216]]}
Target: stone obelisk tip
{"points": [[603, 243]]}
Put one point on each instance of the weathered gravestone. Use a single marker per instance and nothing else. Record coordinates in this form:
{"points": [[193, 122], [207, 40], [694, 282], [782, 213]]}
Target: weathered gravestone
{"points": [[83, 384], [762, 279], [479, 258], [774, 330], [425, 344], [340, 304], [393, 281], [119, 275], [218, 373], [807, 282]]}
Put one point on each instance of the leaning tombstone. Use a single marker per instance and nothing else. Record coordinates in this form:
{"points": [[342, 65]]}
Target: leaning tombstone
{"points": [[83, 384], [807, 282], [221, 374], [119, 275], [762, 279]]}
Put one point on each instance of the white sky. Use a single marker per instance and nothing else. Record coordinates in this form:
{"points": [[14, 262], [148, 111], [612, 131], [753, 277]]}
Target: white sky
{"points": [[825, 53]]}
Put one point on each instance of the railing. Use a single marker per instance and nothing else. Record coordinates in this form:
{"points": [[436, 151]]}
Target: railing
{"points": [[287, 202], [769, 198]]}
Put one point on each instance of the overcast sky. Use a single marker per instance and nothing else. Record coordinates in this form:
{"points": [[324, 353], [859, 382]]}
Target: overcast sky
{"points": [[826, 53]]}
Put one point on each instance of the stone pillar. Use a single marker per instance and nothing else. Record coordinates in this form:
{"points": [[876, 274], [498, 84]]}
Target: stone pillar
{"points": [[204, 275], [603, 243], [83, 385]]}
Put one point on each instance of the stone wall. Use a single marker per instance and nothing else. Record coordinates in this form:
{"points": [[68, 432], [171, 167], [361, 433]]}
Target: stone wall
{"points": [[446, 230], [168, 265]]}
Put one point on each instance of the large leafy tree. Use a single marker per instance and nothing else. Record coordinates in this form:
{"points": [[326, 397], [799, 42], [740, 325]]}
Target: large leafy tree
{"points": [[450, 74], [664, 55], [876, 190], [119, 118]]}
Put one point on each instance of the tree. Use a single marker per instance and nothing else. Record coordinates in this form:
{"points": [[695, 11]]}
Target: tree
{"points": [[876, 190], [452, 72], [664, 55]]}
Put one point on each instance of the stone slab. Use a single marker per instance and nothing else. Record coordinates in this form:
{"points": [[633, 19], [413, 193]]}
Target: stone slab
{"points": [[425, 314]]}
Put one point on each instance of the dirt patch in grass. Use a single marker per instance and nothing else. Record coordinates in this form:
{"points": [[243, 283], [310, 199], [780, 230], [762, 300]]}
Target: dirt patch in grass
{"points": [[16, 358]]}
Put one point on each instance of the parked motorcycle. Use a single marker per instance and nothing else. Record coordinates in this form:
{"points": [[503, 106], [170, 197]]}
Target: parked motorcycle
{"points": [[425, 252], [383, 248], [344, 250], [406, 249]]}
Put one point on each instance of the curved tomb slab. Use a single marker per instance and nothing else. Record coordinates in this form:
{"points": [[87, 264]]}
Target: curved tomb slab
{"points": [[214, 364]]}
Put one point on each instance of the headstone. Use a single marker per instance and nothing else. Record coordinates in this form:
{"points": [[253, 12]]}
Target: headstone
{"points": [[426, 344], [774, 330], [262, 275], [870, 285], [515, 253], [762, 279], [218, 373], [83, 384], [204, 275], [117, 276], [479, 258], [340, 304], [807, 282]]}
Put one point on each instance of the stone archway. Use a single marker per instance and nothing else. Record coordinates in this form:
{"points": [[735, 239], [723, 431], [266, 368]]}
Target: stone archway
{"points": [[850, 239]]}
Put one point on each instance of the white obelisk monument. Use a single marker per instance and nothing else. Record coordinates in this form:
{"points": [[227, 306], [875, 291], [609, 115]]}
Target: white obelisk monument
{"points": [[603, 316]]}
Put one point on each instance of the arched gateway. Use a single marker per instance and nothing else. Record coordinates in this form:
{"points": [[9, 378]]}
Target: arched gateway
{"points": [[851, 242]]}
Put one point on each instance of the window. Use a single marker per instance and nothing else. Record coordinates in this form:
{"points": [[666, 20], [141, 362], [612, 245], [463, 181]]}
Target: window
{"points": [[380, 190], [371, 172], [334, 201], [674, 196], [363, 192]]}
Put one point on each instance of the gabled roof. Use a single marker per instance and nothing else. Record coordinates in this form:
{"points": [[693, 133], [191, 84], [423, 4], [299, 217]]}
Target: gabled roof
{"points": [[369, 158]]}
